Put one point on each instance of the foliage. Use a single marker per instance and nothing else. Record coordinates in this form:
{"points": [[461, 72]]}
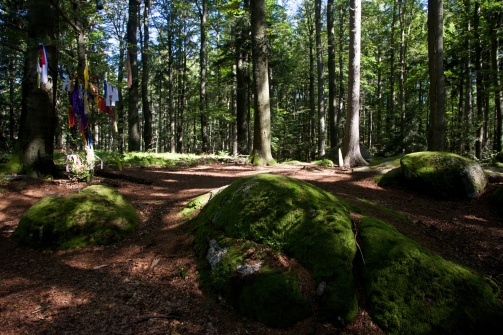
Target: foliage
{"points": [[411, 291], [95, 216]]}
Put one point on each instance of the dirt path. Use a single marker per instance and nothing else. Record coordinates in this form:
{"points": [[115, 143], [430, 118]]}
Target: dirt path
{"points": [[147, 284]]}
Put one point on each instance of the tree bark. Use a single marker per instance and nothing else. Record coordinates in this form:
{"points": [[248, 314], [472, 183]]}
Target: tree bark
{"points": [[242, 84], [351, 147], [202, 77], [262, 127], [38, 115], [145, 54], [134, 141], [332, 80], [495, 65], [321, 82], [436, 132]]}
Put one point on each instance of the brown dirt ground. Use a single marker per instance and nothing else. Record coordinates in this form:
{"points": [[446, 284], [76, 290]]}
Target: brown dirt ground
{"points": [[147, 284]]}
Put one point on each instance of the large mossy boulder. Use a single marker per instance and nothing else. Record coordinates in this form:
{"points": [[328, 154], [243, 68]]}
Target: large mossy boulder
{"points": [[97, 215], [263, 220], [444, 174], [411, 291]]}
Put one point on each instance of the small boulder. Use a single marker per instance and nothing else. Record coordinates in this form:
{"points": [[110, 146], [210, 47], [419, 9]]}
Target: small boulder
{"points": [[97, 215], [444, 174]]}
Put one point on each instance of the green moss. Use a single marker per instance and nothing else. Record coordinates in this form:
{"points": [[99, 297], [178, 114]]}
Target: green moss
{"points": [[95, 216], [411, 291], [325, 163], [293, 217], [391, 178], [273, 298], [444, 174], [14, 165]]}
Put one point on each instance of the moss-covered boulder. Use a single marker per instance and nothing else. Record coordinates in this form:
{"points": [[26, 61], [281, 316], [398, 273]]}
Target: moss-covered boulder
{"points": [[95, 216], [411, 291], [268, 218], [444, 174]]}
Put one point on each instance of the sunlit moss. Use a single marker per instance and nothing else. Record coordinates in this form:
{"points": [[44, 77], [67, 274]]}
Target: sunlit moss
{"points": [[291, 217], [412, 291], [95, 216]]}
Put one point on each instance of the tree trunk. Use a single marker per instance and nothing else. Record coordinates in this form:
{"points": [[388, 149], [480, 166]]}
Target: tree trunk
{"points": [[145, 53], [262, 128], [202, 77], [242, 84], [321, 95], [436, 132], [351, 147], [479, 131], [495, 65], [332, 80], [38, 115], [134, 143]]}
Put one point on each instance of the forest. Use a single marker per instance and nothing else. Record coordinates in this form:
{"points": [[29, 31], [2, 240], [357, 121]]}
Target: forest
{"points": [[184, 77]]}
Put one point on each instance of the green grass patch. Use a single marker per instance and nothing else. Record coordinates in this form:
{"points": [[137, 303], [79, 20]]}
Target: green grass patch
{"points": [[95, 216], [412, 291]]}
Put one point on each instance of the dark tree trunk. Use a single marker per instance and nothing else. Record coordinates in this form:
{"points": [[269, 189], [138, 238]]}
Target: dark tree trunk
{"points": [[38, 115], [332, 80], [202, 77], [145, 54], [436, 132], [321, 95], [134, 141], [262, 128], [242, 84], [495, 65]]}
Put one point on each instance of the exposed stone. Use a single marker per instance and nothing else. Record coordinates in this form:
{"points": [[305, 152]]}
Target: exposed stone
{"points": [[215, 254]]}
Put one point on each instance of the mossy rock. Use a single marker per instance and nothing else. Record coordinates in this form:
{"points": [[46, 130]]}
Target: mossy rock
{"points": [[291, 217], [14, 165], [444, 174], [411, 291], [392, 178], [95, 216]]}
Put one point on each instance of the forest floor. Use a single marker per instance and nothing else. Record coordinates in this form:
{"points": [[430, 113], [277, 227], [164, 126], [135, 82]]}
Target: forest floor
{"points": [[148, 283]]}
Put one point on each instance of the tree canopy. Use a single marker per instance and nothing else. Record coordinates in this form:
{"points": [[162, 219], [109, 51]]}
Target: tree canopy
{"points": [[189, 63]]}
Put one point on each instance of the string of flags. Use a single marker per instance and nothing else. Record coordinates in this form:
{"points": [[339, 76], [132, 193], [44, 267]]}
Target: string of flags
{"points": [[85, 96]]}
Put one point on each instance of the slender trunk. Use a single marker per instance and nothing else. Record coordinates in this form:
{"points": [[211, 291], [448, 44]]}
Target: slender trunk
{"points": [[479, 132], [321, 82], [145, 54], [134, 143], [401, 82], [390, 112], [202, 77], [495, 65], [436, 132], [332, 80]]}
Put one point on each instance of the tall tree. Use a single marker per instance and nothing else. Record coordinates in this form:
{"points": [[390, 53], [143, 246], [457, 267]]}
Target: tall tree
{"points": [[145, 54], [262, 127], [242, 80], [333, 117], [351, 147], [203, 14], [134, 143], [321, 81], [38, 114], [436, 132]]}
